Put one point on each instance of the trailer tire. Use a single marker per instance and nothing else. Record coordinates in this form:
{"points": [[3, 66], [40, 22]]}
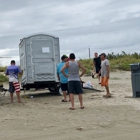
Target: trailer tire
{"points": [[56, 90], [52, 90]]}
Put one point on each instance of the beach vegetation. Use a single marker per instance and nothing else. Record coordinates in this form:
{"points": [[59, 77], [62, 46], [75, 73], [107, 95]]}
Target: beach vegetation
{"points": [[120, 61]]}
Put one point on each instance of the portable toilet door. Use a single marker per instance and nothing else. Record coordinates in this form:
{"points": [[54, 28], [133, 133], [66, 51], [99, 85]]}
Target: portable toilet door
{"points": [[42, 58]]}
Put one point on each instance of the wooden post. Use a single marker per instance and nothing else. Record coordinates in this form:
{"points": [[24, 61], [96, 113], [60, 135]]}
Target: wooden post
{"points": [[89, 52]]}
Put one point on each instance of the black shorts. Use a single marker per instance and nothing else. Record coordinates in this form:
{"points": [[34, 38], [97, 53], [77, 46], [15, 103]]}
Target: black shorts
{"points": [[98, 68], [75, 87], [64, 87]]}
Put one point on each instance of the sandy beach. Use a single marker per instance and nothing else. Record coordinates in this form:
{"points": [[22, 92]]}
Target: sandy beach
{"points": [[45, 117]]}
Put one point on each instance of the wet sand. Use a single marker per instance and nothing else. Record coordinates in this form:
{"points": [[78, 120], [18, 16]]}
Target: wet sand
{"points": [[45, 117]]}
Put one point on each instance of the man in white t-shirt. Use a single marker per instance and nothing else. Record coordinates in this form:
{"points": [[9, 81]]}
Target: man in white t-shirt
{"points": [[105, 74]]}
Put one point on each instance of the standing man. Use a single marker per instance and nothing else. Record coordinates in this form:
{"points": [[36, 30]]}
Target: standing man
{"points": [[13, 71], [97, 65], [62, 78], [74, 82], [105, 72]]}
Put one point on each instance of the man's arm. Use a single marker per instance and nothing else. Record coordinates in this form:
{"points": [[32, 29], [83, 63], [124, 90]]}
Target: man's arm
{"points": [[99, 73], [83, 69], [6, 73], [64, 67], [94, 64], [20, 71], [58, 74], [108, 70]]}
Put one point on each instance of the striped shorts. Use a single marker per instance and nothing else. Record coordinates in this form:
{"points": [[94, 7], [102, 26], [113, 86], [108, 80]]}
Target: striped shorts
{"points": [[14, 86]]}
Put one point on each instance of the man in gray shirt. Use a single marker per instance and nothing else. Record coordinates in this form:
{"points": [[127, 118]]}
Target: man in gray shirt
{"points": [[105, 71]]}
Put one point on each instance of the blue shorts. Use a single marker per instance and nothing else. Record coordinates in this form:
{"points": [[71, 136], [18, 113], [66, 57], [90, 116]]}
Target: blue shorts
{"points": [[75, 87]]}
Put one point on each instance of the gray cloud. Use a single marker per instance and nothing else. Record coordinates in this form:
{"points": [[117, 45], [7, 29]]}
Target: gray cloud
{"points": [[104, 26]]}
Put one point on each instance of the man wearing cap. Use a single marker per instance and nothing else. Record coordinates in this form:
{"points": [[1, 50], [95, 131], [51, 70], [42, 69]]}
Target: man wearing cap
{"points": [[13, 71], [105, 71], [62, 78]]}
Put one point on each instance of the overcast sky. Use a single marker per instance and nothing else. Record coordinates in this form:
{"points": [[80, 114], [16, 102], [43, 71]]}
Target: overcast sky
{"points": [[101, 25]]}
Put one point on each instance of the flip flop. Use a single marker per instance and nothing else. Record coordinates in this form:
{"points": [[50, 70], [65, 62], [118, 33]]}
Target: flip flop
{"points": [[107, 96], [72, 108], [63, 101], [82, 107]]}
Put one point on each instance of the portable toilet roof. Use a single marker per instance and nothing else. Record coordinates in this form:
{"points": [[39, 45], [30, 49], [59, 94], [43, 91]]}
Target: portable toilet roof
{"points": [[36, 34]]}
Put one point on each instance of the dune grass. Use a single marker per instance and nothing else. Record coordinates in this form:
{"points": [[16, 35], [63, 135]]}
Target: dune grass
{"points": [[120, 61], [3, 78], [117, 61], [2, 69]]}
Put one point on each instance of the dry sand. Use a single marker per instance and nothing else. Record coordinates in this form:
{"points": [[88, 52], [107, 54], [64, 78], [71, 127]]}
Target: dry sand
{"points": [[45, 118]]}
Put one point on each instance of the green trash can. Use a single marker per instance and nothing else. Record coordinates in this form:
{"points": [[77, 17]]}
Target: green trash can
{"points": [[135, 78]]}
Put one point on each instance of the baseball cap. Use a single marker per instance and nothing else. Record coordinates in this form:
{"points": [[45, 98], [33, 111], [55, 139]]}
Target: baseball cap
{"points": [[72, 56], [64, 56], [13, 61], [103, 54]]}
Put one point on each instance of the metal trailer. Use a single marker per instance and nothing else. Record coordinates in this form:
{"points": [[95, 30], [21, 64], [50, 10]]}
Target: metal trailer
{"points": [[39, 56]]}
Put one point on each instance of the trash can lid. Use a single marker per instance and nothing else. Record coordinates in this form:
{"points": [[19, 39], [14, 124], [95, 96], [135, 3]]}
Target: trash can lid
{"points": [[134, 64]]}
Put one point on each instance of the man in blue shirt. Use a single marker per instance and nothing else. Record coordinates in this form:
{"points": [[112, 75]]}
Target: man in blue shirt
{"points": [[13, 71], [63, 80]]}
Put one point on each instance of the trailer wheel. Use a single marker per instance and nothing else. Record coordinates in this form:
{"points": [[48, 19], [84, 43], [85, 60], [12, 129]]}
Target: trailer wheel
{"points": [[59, 91], [52, 90]]}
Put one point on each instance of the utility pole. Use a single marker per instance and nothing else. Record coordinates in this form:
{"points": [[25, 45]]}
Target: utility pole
{"points": [[89, 52]]}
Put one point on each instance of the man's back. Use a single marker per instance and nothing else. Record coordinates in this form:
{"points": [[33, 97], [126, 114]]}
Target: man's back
{"points": [[13, 72], [73, 71]]}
